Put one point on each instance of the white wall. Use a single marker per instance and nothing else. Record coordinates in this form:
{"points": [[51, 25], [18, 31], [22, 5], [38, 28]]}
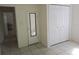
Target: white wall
{"points": [[43, 25], [75, 23]]}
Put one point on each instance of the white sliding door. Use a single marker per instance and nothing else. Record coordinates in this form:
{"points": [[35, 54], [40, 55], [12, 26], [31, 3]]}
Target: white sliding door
{"points": [[58, 24]]}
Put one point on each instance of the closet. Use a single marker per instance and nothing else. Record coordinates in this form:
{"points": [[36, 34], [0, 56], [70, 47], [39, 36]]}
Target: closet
{"points": [[58, 23]]}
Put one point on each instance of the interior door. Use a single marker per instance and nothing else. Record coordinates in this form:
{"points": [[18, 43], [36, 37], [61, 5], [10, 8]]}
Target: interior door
{"points": [[33, 28], [58, 23]]}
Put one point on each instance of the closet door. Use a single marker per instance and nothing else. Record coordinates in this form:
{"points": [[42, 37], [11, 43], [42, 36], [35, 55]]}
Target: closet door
{"points": [[58, 24]]}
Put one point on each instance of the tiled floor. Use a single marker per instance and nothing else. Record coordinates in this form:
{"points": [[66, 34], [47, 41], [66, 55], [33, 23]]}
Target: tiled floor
{"points": [[65, 48]]}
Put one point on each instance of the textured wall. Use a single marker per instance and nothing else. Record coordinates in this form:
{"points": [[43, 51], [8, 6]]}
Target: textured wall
{"points": [[75, 23]]}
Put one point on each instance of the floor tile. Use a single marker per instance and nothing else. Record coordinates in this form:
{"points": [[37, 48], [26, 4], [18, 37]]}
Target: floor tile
{"points": [[64, 48]]}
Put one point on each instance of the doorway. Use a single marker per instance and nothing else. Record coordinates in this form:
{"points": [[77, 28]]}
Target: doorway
{"points": [[9, 27]]}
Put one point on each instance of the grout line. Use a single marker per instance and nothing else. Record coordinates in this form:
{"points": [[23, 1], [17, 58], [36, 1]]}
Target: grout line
{"points": [[59, 43]]}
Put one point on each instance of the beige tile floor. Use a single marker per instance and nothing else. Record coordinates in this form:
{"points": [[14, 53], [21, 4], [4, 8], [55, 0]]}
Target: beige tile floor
{"points": [[65, 48]]}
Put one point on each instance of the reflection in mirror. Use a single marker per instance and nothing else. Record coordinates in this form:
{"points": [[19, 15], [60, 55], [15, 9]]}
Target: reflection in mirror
{"points": [[32, 18]]}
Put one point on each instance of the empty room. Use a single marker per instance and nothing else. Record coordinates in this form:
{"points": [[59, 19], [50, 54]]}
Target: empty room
{"points": [[39, 29]]}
